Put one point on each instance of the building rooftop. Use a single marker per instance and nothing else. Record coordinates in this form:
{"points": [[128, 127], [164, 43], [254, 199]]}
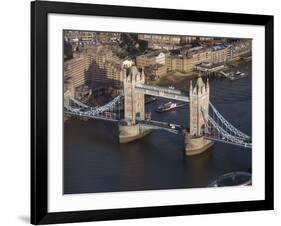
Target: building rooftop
{"points": [[153, 53], [217, 47]]}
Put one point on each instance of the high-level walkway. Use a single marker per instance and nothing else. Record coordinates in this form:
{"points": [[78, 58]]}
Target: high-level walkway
{"points": [[169, 93]]}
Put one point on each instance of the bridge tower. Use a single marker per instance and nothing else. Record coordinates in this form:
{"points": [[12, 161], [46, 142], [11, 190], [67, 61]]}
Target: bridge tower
{"points": [[195, 142], [199, 98], [133, 101], [129, 129]]}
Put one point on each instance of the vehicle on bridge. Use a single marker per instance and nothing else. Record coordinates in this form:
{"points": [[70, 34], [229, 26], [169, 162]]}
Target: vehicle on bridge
{"points": [[208, 133], [173, 126], [109, 114]]}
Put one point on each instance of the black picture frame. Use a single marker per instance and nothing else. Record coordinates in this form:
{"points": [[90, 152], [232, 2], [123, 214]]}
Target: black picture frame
{"points": [[39, 112]]}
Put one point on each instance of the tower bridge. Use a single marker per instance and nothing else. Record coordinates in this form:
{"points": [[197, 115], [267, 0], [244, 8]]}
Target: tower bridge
{"points": [[206, 124]]}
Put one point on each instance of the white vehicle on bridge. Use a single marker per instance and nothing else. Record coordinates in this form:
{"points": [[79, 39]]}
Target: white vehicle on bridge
{"points": [[173, 126]]}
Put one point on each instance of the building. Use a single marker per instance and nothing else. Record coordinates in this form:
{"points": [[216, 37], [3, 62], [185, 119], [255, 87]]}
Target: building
{"points": [[162, 46], [203, 38], [155, 71], [75, 36], [194, 39], [158, 69], [240, 48], [76, 70], [114, 72], [105, 37], [150, 58], [95, 65], [179, 63], [219, 54], [188, 39], [106, 67], [188, 58], [163, 39], [160, 41]]}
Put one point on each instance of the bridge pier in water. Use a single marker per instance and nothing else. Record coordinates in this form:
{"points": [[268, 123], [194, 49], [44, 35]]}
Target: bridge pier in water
{"points": [[196, 145], [131, 132]]}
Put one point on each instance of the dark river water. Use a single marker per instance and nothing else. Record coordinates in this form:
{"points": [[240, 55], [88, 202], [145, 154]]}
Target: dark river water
{"points": [[94, 161]]}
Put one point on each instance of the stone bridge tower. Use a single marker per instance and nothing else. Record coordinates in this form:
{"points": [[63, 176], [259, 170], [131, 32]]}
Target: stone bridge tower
{"points": [[133, 101], [199, 98], [195, 142]]}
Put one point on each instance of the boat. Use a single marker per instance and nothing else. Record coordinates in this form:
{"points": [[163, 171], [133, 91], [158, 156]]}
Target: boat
{"points": [[166, 107], [237, 75]]}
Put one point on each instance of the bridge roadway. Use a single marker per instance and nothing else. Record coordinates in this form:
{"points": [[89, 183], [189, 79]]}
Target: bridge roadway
{"points": [[162, 92], [151, 124], [87, 114], [241, 144]]}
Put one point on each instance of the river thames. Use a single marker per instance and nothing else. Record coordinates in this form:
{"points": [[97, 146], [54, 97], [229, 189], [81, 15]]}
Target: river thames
{"points": [[94, 161]]}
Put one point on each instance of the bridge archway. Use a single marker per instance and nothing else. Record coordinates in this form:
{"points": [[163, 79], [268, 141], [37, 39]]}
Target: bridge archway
{"points": [[203, 129]]}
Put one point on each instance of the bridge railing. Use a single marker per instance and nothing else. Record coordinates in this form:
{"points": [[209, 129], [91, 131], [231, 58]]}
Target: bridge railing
{"points": [[214, 131], [233, 129], [152, 124]]}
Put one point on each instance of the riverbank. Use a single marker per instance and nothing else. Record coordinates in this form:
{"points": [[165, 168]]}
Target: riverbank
{"points": [[174, 77], [179, 79]]}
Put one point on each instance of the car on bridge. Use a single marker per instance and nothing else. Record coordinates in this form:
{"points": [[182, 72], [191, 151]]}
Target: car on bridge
{"points": [[209, 133], [173, 126]]}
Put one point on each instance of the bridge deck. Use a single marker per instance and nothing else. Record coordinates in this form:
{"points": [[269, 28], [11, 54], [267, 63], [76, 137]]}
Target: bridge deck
{"points": [[245, 145], [174, 128], [83, 114], [162, 92]]}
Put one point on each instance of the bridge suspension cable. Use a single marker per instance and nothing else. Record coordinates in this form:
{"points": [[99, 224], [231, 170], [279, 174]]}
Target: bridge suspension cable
{"points": [[228, 124], [226, 137], [79, 103], [217, 129], [107, 111], [109, 106]]}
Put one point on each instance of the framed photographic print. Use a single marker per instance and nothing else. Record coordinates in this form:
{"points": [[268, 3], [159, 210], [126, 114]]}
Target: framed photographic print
{"points": [[144, 112]]}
